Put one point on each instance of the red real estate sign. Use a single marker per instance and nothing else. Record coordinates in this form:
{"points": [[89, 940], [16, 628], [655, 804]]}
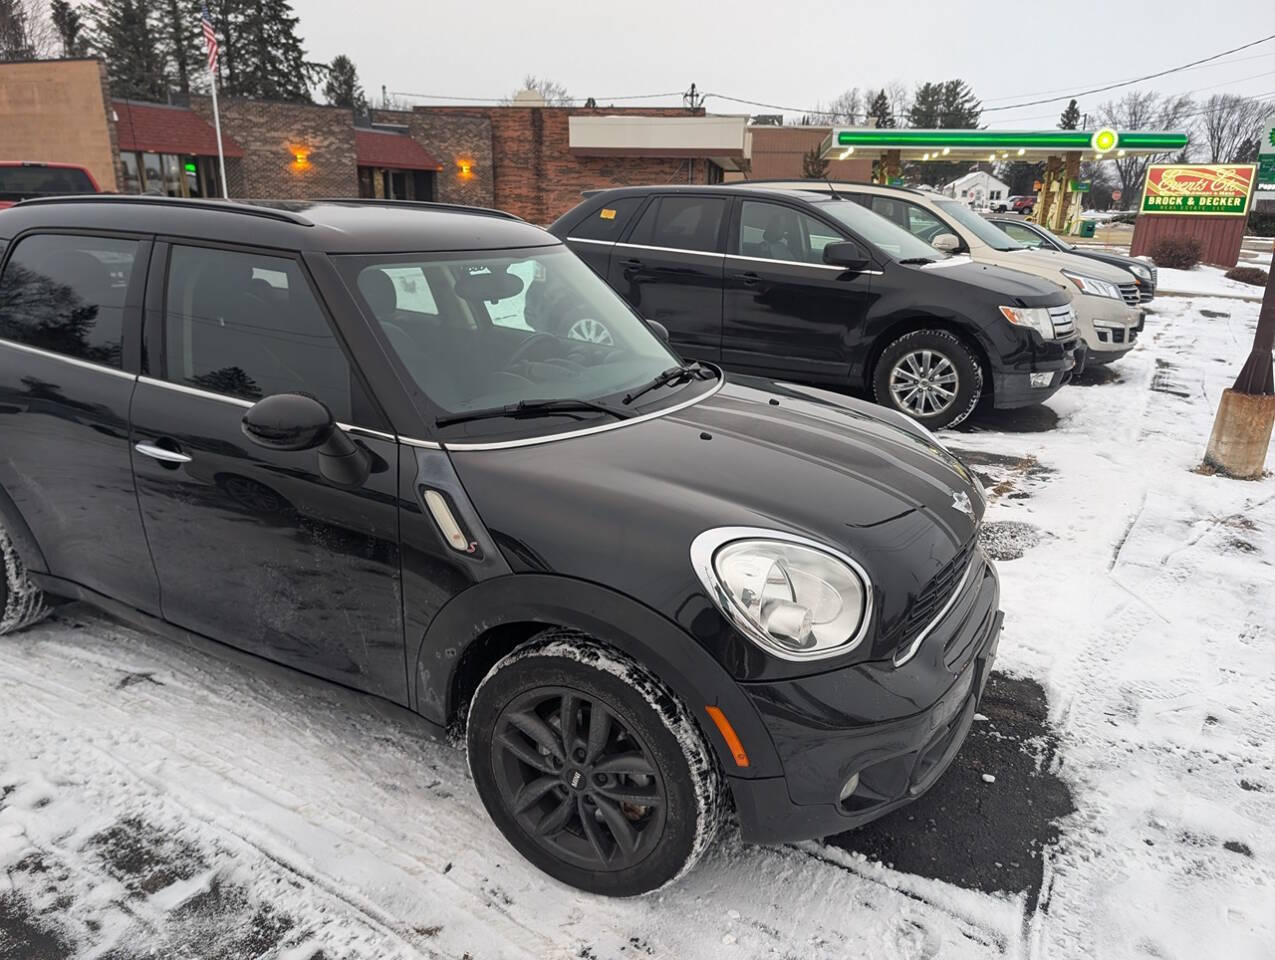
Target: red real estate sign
{"points": [[1216, 190]]}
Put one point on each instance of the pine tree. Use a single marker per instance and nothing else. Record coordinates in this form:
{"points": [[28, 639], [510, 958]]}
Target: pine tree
{"points": [[343, 88], [813, 166], [66, 20], [959, 109], [271, 61], [181, 43], [927, 105], [1070, 118], [880, 109], [125, 34]]}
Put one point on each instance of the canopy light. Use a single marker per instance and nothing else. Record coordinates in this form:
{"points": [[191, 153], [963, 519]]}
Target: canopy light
{"points": [[1100, 141]]}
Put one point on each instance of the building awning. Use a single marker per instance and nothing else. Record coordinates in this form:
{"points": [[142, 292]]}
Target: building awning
{"points": [[160, 128], [723, 139], [993, 145], [397, 151]]}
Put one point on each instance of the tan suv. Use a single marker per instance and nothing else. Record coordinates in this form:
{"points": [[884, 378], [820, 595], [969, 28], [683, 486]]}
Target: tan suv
{"points": [[1104, 297]]}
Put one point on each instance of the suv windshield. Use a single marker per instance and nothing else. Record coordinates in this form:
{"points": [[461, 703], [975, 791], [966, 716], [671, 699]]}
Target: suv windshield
{"points": [[22, 183], [877, 230], [989, 233], [495, 328]]}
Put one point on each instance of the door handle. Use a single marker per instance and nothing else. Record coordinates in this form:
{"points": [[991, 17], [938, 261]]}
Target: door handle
{"points": [[750, 278], [160, 453], [631, 262]]}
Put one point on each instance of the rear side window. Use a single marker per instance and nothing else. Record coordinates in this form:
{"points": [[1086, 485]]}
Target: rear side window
{"points": [[66, 294], [22, 183], [608, 221], [684, 223], [248, 325]]}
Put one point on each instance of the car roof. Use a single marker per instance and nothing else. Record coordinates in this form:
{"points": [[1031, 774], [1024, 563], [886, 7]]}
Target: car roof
{"points": [[328, 226], [741, 189], [822, 187]]}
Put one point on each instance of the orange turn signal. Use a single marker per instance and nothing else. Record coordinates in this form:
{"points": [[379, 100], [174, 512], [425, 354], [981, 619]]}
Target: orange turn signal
{"points": [[728, 734]]}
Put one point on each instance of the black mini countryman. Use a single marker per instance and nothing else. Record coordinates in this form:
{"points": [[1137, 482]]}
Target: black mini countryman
{"points": [[337, 435]]}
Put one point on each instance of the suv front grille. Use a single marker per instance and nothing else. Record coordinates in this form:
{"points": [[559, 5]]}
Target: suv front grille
{"points": [[1064, 320], [932, 598], [1129, 291]]}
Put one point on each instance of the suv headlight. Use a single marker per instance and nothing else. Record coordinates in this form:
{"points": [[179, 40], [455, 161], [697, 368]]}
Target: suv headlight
{"points": [[1093, 286], [793, 597], [1035, 317]]}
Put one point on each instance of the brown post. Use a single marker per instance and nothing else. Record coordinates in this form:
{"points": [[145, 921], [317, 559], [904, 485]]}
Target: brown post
{"points": [[1071, 171], [1242, 431], [893, 166]]}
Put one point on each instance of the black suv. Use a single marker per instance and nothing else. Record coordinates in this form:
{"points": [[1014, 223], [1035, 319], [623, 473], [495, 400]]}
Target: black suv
{"points": [[810, 288], [330, 434]]}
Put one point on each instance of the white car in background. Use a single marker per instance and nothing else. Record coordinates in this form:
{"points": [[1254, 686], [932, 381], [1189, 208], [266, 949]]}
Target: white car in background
{"points": [[1106, 298]]}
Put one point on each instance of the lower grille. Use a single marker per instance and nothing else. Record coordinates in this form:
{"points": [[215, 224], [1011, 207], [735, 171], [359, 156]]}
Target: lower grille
{"points": [[1117, 335], [932, 597]]}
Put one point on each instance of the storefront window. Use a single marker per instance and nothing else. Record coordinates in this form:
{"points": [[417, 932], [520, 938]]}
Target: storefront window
{"points": [[152, 174], [132, 176], [190, 177], [172, 175]]}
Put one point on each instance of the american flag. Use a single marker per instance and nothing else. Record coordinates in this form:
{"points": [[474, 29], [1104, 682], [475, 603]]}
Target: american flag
{"points": [[210, 37]]}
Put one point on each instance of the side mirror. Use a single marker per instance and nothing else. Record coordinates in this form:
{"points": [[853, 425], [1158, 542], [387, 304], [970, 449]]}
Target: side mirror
{"points": [[947, 242], [845, 253], [658, 329], [293, 422]]}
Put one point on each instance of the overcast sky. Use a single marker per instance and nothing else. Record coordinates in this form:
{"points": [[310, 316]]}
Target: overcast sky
{"points": [[791, 54]]}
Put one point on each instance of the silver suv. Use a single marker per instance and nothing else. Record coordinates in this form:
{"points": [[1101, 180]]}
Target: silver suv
{"points": [[1104, 297]]}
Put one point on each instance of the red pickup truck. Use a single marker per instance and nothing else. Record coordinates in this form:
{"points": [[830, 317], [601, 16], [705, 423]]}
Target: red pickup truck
{"points": [[20, 180]]}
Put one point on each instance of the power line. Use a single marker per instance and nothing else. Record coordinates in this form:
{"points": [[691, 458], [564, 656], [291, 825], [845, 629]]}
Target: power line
{"points": [[1125, 83], [440, 96], [1041, 93], [1193, 113]]}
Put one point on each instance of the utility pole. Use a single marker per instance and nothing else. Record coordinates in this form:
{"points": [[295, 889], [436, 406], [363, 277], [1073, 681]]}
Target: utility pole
{"points": [[1242, 431]]}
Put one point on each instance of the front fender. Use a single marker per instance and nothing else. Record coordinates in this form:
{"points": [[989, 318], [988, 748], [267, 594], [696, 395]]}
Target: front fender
{"points": [[613, 618]]}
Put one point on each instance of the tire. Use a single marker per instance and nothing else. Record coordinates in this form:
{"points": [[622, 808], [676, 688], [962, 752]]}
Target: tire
{"points": [[21, 602], [573, 819], [953, 368]]}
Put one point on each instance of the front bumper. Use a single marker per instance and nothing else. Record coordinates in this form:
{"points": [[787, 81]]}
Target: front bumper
{"points": [[1114, 340], [1056, 363], [897, 728]]}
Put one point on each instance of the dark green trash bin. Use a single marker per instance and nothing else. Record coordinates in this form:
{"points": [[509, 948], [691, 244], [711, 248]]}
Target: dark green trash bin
{"points": [[1086, 228]]}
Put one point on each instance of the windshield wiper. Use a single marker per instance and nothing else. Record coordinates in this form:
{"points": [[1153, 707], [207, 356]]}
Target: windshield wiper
{"points": [[919, 260], [694, 370], [533, 408]]}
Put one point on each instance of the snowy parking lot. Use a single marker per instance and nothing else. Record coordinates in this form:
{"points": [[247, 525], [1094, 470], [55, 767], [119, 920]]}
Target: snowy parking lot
{"points": [[161, 799]]}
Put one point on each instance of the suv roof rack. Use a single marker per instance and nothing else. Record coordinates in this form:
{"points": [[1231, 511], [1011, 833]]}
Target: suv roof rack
{"points": [[426, 204], [816, 184], [245, 207]]}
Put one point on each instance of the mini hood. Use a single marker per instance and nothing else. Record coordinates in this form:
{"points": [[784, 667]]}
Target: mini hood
{"points": [[621, 507]]}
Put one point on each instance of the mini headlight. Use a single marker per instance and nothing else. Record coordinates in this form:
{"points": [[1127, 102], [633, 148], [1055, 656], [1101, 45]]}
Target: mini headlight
{"points": [[1093, 286], [1139, 271], [794, 597], [1037, 318]]}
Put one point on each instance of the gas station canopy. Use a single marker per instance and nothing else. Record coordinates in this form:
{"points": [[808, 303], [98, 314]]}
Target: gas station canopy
{"points": [[994, 145]]}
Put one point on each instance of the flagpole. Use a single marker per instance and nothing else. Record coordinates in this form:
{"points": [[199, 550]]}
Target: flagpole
{"points": [[221, 155]]}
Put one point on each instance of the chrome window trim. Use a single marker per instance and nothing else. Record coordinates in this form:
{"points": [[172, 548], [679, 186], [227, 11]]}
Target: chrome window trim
{"points": [[694, 253], [910, 652], [423, 444], [73, 361], [704, 548], [802, 263], [604, 243], [584, 431]]}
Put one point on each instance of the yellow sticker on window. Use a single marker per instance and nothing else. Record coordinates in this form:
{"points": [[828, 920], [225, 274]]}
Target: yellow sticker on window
{"points": [[607, 214]]}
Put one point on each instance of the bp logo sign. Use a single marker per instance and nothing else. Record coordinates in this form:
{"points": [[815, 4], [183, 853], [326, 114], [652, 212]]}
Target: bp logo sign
{"points": [[1103, 140], [1271, 137]]}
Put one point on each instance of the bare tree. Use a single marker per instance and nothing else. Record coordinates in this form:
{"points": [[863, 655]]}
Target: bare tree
{"points": [[553, 93], [1142, 110], [844, 110], [26, 33], [1229, 123], [900, 96]]}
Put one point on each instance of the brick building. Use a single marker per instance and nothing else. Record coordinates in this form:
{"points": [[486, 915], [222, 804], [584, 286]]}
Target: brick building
{"points": [[531, 160], [778, 153]]}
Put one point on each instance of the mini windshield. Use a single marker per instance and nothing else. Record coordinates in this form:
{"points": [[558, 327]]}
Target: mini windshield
{"points": [[989, 233], [494, 328], [887, 237]]}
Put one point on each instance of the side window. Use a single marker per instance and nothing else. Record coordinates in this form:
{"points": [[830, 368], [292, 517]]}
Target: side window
{"points": [[684, 223], [890, 208], [608, 221], [775, 232], [1026, 237], [66, 294], [923, 224], [247, 325]]}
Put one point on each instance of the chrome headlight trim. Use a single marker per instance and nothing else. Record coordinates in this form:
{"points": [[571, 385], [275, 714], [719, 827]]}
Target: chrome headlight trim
{"points": [[703, 552]]}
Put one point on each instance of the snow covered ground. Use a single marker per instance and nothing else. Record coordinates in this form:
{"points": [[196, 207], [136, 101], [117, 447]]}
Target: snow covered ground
{"points": [[160, 799], [1206, 281]]}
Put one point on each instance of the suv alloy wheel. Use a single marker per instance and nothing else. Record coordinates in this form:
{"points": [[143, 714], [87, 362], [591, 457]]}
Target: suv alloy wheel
{"points": [[930, 375]]}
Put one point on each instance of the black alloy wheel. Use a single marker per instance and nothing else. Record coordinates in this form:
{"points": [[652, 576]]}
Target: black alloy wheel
{"points": [[578, 781], [591, 767]]}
